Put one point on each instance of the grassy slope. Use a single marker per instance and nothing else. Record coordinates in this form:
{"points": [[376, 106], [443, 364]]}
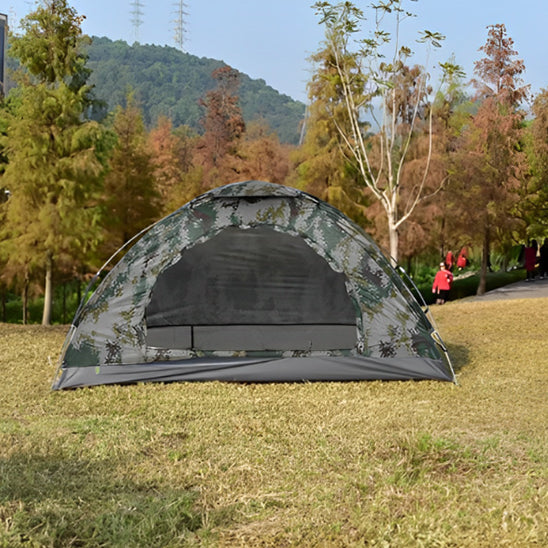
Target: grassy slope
{"points": [[338, 464]]}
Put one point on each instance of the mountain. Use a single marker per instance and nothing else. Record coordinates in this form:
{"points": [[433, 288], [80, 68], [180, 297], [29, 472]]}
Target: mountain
{"points": [[169, 82]]}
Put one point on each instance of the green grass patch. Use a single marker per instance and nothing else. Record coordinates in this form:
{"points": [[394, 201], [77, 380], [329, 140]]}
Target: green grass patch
{"points": [[312, 464]]}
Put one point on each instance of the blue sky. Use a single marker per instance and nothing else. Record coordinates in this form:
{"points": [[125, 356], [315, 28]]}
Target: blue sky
{"points": [[273, 39]]}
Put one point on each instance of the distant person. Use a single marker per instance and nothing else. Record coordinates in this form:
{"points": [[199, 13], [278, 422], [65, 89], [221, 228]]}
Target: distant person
{"points": [[530, 260], [442, 284], [462, 259], [543, 260], [450, 261]]}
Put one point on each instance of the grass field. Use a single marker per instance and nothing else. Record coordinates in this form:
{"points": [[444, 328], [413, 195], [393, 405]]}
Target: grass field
{"points": [[314, 464]]}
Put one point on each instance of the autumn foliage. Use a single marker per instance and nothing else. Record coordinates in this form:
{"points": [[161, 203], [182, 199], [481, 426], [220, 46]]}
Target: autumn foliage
{"points": [[454, 168]]}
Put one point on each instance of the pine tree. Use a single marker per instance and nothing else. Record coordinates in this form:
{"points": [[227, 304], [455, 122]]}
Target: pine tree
{"points": [[54, 152], [490, 160], [262, 155], [224, 126], [131, 200], [172, 159]]}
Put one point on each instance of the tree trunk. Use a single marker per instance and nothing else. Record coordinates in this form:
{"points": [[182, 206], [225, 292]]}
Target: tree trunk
{"points": [[482, 287], [4, 310], [64, 302], [394, 240], [442, 243], [25, 299], [48, 292], [78, 291]]}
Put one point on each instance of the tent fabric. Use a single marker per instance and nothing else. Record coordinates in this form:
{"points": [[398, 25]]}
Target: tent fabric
{"points": [[252, 282]]}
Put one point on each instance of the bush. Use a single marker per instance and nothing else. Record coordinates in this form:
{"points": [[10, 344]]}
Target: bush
{"points": [[65, 304]]}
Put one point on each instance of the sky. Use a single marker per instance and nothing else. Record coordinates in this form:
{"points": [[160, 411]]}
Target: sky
{"points": [[274, 39]]}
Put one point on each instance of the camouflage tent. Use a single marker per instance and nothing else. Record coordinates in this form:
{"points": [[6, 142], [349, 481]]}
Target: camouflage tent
{"points": [[252, 282]]}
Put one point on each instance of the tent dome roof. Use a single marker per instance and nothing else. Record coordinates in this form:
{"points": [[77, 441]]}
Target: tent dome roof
{"points": [[258, 189]]}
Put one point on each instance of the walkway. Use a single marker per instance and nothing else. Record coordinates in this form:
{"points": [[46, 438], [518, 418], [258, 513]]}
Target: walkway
{"points": [[518, 290]]}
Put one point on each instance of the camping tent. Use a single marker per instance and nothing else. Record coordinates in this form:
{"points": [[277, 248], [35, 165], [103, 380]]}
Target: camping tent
{"points": [[252, 282]]}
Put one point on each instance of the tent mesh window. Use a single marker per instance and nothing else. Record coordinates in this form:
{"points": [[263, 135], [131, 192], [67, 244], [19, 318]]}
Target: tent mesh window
{"points": [[254, 289]]}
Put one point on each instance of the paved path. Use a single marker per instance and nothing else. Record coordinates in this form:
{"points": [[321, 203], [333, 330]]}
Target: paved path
{"points": [[518, 290]]}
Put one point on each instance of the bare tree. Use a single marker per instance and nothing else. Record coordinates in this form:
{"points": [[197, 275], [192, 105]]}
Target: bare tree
{"points": [[392, 94]]}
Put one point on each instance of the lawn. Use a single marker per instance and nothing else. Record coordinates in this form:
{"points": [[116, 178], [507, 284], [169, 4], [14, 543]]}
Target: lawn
{"points": [[313, 464]]}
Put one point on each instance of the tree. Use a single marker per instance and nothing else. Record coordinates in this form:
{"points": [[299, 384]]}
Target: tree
{"points": [[169, 82], [322, 162], [262, 157], [491, 162], [533, 205], [430, 230], [384, 84], [224, 126], [54, 153], [172, 160], [131, 199]]}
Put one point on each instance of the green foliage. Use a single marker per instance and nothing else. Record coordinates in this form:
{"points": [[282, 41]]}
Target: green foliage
{"points": [[66, 300], [533, 205], [49, 46], [131, 201], [368, 79], [322, 162], [168, 82], [55, 164], [57, 156]]}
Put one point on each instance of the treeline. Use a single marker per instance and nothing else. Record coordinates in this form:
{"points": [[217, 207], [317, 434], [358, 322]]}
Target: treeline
{"points": [[167, 82], [452, 167], [170, 83]]}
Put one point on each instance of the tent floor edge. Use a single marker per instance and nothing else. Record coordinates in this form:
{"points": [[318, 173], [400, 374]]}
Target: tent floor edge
{"points": [[291, 369]]}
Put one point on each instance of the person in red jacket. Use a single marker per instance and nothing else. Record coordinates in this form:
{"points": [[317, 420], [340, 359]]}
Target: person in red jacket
{"points": [[531, 260], [462, 261], [442, 284], [450, 261]]}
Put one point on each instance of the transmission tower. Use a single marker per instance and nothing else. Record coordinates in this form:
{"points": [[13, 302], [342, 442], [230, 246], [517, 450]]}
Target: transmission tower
{"points": [[179, 29], [136, 17]]}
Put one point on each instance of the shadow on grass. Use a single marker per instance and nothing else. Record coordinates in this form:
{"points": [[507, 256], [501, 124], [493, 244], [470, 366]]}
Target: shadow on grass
{"points": [[459, 354], [56, 502]]}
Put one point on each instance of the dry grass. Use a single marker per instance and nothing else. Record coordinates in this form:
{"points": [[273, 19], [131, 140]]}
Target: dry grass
{"points": [[330, 464]]}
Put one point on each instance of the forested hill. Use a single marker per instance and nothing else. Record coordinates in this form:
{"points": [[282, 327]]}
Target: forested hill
{"points": [[170, 82]]}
